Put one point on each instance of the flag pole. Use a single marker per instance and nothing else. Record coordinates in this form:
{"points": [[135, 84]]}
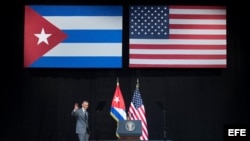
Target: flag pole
{"points": [[137, 83]]}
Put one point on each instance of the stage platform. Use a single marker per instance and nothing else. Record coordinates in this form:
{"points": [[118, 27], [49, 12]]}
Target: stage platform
{"points": [[129, 140]]}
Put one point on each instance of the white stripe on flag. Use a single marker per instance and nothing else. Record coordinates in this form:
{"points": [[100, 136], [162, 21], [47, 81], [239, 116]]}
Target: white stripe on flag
{"points": [[86, 49], [200, 22], [79, 22]]}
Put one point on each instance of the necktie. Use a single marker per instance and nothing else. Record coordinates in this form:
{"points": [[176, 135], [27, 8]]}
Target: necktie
{"points": [[87, 124], [86, 116]]}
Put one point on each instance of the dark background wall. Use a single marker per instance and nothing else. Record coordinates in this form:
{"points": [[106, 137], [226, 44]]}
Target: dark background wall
{"points": [[36, 103]]}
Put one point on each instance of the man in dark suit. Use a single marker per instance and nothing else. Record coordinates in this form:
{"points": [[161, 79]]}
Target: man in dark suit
{"points": [[81, 115]]}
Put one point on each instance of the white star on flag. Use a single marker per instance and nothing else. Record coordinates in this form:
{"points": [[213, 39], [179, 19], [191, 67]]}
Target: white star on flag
{"points": [[42, 37], [116, 99]]}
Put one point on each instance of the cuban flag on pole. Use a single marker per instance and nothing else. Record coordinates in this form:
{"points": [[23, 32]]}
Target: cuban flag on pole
{"points": [[118, 108], [72, 36]]}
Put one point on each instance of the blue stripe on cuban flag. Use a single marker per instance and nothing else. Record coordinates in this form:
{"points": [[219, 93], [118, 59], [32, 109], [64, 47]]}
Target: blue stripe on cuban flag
{"points": [[94, 37]]}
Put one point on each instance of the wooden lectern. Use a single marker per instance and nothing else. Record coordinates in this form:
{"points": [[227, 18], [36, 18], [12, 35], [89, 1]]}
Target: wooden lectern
{"points": [[129, 130]]}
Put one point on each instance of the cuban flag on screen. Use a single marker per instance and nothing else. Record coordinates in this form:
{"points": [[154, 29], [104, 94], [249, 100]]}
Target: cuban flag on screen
{"points": [[72, 36]]}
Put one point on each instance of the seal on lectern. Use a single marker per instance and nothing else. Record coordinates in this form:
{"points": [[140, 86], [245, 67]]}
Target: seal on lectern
{"points": [[130, 126]]}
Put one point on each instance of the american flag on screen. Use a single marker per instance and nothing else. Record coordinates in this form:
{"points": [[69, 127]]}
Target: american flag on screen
{"points": [[137, 112], [177, 37]]}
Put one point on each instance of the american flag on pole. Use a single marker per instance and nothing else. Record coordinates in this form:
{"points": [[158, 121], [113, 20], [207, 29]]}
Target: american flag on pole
{"points": [[177, 37], [118, 108], [137, 112]]}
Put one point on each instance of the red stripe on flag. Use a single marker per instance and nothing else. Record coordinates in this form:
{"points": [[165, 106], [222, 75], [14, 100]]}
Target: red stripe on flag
{"points": [[196, 7], [196, 26], [156, 56], [200, 47], [195, 16]]}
